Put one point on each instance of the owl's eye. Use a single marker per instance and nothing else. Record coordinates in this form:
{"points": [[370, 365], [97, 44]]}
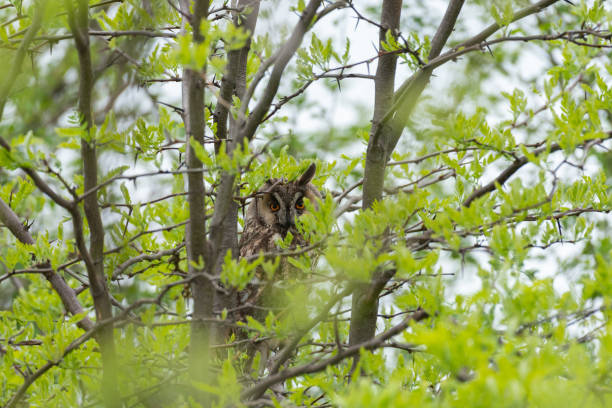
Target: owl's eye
{"points": [[299, 204], [274, 206]]}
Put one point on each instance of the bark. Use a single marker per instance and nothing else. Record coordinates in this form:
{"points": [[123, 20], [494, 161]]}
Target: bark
{"points": [[197, 254], [365, 301], [389, 126], [79, 25], [223, 232], [234, 81], [321, 364], [245, 130], [384, 135], [383, 97], [232, 84], [285, 55], [224, 235], [387, 134]]}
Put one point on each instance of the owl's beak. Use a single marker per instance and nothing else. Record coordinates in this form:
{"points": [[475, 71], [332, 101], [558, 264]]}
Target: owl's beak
{"points": [[285, 223]]}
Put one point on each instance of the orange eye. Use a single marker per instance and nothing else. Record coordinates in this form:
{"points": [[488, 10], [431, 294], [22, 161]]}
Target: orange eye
{"points": [[274, 206], [299, 204]]}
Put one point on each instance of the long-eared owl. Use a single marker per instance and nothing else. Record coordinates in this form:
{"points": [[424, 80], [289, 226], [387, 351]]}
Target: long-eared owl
{"points": [[270, 216], [274, 211]]}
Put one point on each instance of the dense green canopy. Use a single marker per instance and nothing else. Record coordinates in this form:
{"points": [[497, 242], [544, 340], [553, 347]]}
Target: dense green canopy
{"points": [[461, 254]]}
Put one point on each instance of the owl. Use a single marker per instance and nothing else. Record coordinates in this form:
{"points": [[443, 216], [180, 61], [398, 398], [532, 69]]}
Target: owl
{"points": [[271, 215], [274, 211]]}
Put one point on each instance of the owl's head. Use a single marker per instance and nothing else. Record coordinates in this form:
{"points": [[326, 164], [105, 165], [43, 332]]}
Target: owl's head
{"points": [[280, 202]]}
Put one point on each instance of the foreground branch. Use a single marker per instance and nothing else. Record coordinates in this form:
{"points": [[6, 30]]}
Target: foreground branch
{"points": [[317, 366], [94, 331]]}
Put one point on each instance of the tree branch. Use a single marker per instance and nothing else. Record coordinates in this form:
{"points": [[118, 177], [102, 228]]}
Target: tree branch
{"points": [[145, 257], [410, 90], [193, 87], [365, 306], [285, 353], [79, 25], [94, 331], [512, 169], [284, 56], [236, 69], [386, 134], [224, 228], [223, 231], [65, 292], [320, 365]]}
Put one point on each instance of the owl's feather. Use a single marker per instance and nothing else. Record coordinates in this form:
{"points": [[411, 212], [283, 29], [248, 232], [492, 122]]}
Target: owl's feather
{"points": [[270, 216]]}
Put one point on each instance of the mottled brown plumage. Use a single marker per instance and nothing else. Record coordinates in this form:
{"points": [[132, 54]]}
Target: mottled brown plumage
{"points": [[274, 211], [270, 216]]}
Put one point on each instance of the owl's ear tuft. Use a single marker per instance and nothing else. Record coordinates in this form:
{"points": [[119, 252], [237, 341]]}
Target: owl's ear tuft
{"points": [[308, 175]]}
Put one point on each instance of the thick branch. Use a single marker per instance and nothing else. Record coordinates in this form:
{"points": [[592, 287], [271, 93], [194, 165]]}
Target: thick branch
{"points": [[365, 306], [12, 222], [193, 87], [520, 14], [94, 331], [512, 169], [385, 137], [285, 55], [408, 93], [71, 207], [386, 134], [145, 257], [225, 207], [320, 365], [234, 81], [383, 99], [224, 232], [223, 224], [79, 25], [286, 352]]}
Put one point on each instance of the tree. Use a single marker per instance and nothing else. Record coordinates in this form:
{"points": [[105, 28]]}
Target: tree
{"points": [[459, 257]]}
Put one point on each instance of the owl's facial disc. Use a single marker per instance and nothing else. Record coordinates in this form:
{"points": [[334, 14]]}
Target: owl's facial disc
{"points": [[284, 216]]}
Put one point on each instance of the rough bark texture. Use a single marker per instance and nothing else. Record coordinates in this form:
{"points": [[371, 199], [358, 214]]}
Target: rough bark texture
{"points": [[384, 136], [245, 130], [383, 99], [234, 80], [79, 25], [365, 298], [202, 289], [224, 235], [284, 56], [390, 116]]}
